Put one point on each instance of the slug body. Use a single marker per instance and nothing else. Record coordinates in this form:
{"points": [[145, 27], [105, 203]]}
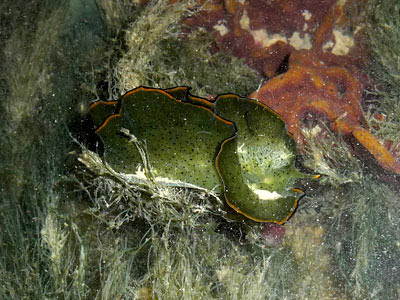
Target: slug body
{"points": [[235, 146]]}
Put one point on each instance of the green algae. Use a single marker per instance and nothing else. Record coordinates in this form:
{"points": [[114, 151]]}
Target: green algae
{"points": [[160, 58], [356, 211], [384, 37], [39, 100]]}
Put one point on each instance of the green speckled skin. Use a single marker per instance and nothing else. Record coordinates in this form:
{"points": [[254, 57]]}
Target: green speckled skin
{"points": [[264, 157], [236, 146], [266, 152], [182, 139]]}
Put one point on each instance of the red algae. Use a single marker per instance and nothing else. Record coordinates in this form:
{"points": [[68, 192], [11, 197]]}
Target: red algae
{"points": [[319, 45]]}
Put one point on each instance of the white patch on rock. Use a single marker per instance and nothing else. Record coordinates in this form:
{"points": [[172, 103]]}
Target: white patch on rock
{"points": [[300, 43], [261, 36], [221, 28], [245, 21], [306, 14], [328, 45], [343, 43]]}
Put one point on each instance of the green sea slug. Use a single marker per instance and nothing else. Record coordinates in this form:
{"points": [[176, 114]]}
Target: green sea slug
{"points": [[235, 146]]}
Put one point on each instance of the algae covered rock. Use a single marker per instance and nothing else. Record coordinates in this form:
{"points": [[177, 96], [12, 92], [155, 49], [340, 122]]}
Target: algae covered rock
{"points": [[235, 146]]}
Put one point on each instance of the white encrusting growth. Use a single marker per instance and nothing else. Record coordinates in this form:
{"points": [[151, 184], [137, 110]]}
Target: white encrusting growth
{"points": [[261, 36], [221, 28]]}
